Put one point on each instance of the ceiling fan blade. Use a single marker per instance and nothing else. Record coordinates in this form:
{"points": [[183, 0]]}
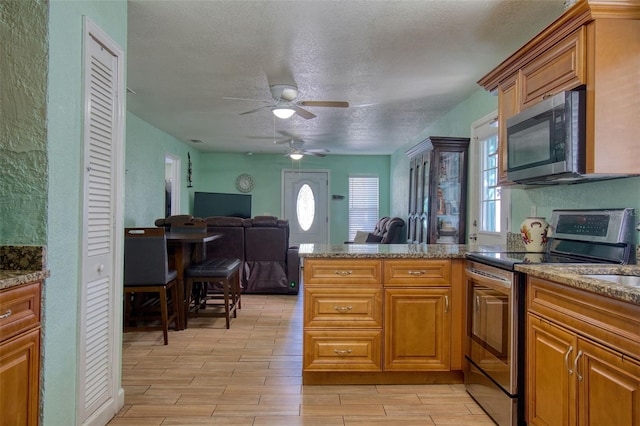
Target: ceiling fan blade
{"points": [[315, 154], [281, 141], [245, 99], [289, 135], [303, 112], [254, 110], [334, 104], [318, 151]]}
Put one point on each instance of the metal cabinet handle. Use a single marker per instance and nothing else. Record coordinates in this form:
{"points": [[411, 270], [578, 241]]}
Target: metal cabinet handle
{"points": [[575, 365], [547, 96], [6, 314], [342, 351], [477, 303], [342, 308], [446, 304], [566, 359], [416, 272], [344, 272]]}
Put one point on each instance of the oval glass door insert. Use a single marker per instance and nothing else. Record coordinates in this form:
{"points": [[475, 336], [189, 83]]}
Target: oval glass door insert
{"points": [[305, 207]]}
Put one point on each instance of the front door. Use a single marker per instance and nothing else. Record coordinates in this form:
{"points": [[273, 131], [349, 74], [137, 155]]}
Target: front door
{"points": [[305, 204]]}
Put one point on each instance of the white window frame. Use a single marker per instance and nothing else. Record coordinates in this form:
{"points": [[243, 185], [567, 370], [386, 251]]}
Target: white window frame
{"points": [[358, 222], [482, 129]]}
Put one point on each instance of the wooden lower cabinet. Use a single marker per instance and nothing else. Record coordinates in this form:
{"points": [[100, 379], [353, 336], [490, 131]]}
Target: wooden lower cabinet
{"points": [[550, 386], [19, 379], [20, 355], [378, 321], [417, 329], [582, 359]]}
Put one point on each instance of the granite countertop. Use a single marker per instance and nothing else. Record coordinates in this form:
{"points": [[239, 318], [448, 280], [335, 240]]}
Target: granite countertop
{"points": [[10, 279], [574, 276], [384, 251], [21, 265]]}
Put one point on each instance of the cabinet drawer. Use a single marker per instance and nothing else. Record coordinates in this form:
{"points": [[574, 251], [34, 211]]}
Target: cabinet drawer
{"points": [[354, 271], [19, 309], [611, 322], [343, 350], [562, 67], [329, 307], [410, 273]]}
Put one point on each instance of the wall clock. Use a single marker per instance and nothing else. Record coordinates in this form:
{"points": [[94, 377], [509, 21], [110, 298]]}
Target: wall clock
{"points": [[245, 183]]}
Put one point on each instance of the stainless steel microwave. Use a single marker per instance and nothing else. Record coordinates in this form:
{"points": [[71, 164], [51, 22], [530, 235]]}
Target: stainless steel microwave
{"points": [[546, 142]]}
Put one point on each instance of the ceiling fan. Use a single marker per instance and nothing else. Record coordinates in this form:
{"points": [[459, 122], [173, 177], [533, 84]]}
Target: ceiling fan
{"points": [[297, 151], [283, 105]]}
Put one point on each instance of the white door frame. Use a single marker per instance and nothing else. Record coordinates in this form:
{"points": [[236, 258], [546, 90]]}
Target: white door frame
{"points": [[484, 238], [176, 167], [100, 284], [282, 191]]}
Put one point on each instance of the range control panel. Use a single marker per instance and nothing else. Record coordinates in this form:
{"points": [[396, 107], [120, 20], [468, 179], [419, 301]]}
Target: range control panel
{"points": [[612, 226]]}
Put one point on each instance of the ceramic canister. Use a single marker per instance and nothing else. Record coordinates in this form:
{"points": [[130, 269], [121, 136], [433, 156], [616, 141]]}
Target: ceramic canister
{"points": [[534, 234]]}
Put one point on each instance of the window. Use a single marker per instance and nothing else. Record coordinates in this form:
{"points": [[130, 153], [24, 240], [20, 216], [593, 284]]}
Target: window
{"points": [[490, 192], [363, 204]]}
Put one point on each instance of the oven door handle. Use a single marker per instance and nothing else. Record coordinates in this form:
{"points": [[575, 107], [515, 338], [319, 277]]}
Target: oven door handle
{"points": [[491, 281]]}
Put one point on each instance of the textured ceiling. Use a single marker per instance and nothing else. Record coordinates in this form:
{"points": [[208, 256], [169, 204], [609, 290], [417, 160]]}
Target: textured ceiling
{"points": [[400, 64]]}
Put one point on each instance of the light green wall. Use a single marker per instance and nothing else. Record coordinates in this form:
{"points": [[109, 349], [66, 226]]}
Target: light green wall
{"points": [[145, 168], [217, 172], [23, 130], [605, 194], [455, 123], [64, 151]]}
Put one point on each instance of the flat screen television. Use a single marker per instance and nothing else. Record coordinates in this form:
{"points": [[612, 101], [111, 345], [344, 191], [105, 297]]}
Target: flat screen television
{"points": [[207, 204]]}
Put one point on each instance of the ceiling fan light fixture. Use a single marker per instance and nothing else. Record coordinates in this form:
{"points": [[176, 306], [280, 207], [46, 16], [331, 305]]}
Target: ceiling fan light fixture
{"points": [[296, 156], [282, 112]]}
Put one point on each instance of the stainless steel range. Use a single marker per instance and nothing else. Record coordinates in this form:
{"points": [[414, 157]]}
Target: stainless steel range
{"points": [[494, 349]]}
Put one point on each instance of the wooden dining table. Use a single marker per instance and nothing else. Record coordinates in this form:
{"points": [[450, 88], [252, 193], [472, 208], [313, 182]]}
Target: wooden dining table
{"points": [[185, 247]]}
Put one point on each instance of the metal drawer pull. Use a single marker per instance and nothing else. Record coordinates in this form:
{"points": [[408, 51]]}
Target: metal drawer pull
{"points": [[566, 359], [575, 365], [344, 272], [446, 304], [342, 351], [342, 308], [6, 314], [416, 272]]}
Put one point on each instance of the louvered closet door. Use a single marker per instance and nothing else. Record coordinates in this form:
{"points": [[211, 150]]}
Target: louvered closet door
{"points": [[100, 305]]}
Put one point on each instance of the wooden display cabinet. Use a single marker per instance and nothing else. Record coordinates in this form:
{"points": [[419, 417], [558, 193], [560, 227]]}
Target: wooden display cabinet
{"points": [[438, 191]]}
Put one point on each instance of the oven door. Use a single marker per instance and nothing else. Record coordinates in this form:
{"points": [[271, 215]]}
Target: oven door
{"points": [[491, 326]]}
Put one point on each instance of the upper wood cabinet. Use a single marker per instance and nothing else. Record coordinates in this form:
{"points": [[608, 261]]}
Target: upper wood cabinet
{"points": [[560, 68], [595, 43]]}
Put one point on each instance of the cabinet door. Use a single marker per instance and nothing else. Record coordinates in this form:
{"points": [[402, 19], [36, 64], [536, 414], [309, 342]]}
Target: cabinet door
{"points": [[19, 380], [550, 397], [417, 330], [608, 387], [562, 67], [508, 106]]}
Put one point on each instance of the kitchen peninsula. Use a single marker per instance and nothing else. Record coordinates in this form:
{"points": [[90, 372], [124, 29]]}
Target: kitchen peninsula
{"points": [[383, 313], [395, 314]]}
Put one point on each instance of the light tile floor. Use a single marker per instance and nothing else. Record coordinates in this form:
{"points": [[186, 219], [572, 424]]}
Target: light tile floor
{"points": [[251, 375]]}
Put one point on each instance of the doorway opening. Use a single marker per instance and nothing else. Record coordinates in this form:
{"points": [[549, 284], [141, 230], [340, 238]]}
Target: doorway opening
{"points": [[171, 184]]}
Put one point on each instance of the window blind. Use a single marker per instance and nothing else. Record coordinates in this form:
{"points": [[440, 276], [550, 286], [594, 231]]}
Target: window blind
{"points": [[363, 204]]}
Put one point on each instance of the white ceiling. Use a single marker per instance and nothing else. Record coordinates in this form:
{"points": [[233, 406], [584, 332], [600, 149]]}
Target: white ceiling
{"points": [[400, 64]]}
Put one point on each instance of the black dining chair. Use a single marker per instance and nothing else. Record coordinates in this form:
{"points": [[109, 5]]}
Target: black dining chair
{"points": [[150, 288]]}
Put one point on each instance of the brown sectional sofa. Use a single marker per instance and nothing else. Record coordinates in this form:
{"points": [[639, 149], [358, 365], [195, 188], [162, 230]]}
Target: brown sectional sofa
{"points": [[269, 264]]}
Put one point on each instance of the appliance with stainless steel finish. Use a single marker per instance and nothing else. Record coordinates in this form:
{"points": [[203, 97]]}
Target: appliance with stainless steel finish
{"points": [[495, 294]]}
